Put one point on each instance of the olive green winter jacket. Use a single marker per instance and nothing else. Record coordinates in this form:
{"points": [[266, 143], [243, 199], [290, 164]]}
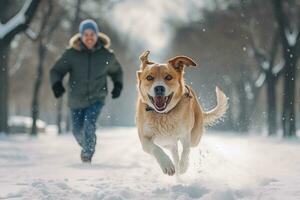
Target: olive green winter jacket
{"points": [[88, 70]]}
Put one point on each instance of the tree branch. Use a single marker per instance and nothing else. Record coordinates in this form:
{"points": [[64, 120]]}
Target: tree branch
{"points": [[259, 54], [19, 22], [281, 19], [273, 50]]}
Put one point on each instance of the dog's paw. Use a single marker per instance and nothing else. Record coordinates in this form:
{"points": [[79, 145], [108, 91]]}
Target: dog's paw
{"points": [[166, 165], [183, 165]]}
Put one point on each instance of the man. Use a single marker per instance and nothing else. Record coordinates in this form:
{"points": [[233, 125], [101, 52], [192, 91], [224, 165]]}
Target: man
{"points": [[88, 61]]}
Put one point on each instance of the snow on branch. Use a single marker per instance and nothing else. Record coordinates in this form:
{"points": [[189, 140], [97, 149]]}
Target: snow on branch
{"points": [[260, 80], [265, 65], [278, 67], [31, 34], [18, 64], [291, 37], [16, 21], [248, 90]]}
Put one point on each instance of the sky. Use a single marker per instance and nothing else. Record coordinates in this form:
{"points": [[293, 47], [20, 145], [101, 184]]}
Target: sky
{"points": [[151, 23]]}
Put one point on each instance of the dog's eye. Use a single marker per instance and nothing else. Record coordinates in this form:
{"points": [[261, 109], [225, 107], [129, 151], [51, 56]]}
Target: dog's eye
{"points": [[168, 77], [150, 78]]}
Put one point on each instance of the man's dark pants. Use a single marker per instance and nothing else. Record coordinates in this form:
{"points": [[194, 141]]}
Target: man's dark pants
{"points": [[84, 127]]}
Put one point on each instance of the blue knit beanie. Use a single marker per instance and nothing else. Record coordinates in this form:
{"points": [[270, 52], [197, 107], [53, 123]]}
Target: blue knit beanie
{"points": [[88, 24]]}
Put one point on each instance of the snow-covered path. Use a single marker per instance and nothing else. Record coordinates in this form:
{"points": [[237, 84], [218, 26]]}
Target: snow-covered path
{"points": [[224, 167]]}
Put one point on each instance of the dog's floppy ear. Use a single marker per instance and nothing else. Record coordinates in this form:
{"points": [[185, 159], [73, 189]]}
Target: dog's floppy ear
{"points": [[179, 62], [144, 59]]}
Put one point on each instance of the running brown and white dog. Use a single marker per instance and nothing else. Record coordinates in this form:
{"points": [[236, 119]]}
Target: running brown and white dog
{"points": [[168, 111]]}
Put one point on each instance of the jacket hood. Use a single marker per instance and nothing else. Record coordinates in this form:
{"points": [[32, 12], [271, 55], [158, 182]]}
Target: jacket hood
{"points": [[75, 41]]}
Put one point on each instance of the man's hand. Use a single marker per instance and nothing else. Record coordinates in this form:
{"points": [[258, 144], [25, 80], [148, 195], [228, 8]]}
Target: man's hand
{"points": [[58, 89], [117, 90]]}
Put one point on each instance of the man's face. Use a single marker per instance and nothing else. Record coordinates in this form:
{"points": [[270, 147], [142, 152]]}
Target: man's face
{"points": [[89, 38]]}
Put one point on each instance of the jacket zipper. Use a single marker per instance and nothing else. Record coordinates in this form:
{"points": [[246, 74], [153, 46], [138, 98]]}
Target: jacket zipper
{"points": [[89, 76]]}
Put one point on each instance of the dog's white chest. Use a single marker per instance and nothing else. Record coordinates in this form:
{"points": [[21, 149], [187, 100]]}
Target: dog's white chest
{"points": [[166, 134]]}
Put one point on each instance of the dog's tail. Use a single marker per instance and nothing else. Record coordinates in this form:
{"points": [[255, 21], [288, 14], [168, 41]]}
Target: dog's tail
{"points": [[212, 116]]}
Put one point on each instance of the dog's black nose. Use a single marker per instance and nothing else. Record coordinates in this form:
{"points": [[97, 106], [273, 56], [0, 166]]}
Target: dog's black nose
{"points": [[159, 90]]}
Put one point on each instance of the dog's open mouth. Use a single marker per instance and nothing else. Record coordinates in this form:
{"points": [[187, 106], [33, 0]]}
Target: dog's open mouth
{"points": [[160, 102]]}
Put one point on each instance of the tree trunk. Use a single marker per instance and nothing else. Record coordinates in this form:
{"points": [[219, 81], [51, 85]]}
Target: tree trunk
{"points": [[243, 119], [37, 86], [4, 52], [290, 54], [229, 122], [68, 121], [271, 103], [288, 114], [74, 29], [59, 114], [77, 19]]}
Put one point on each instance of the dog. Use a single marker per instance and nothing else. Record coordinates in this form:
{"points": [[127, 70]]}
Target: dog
{"points": [[168, 112]]}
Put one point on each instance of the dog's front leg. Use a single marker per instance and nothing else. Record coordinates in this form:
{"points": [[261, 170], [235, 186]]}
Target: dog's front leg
{"points": [[184, 160], [162, 158], [174, 152]]}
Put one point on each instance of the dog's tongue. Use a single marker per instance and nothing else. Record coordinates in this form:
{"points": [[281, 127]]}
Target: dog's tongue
{"points": [[159, 101]]}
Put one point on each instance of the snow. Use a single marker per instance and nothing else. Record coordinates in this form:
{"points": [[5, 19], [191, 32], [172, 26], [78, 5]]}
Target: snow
{"points": [[224, 167], [278, 67], [31, 34], [265, 65], [260, 80], [291, 37], [15, 21], [24, 123], [248, 90]]}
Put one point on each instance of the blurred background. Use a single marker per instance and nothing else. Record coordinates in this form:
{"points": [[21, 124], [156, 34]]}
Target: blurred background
{"points": [[249, 48]]}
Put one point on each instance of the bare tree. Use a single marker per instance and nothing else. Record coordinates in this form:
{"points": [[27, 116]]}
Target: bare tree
{"points": [[248, 91], [75, 20], [47, 27], [287, 17], [8, 31], [270, 72], [41, 50]]}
